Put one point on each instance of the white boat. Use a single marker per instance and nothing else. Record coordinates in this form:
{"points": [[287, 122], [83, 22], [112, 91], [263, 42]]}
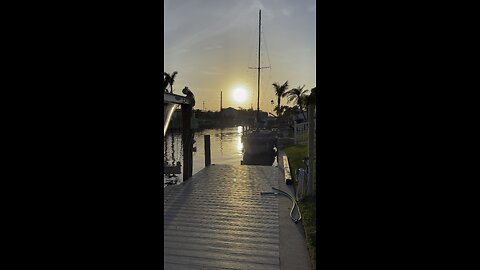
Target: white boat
{"points": [[171, 102], [168, 109]]}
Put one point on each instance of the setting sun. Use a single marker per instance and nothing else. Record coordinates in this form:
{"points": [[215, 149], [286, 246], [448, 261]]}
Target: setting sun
{"points": [[239, 94]]}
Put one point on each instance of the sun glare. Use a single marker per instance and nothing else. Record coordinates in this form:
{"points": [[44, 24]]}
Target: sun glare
{"points": [[239, 94]]}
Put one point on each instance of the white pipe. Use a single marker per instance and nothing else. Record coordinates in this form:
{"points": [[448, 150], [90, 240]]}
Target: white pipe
{"points": [[168, 112]]}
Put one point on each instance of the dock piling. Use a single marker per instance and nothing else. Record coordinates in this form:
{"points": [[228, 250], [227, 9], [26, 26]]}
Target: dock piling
{"points": [[187, 138], [208, 160]]}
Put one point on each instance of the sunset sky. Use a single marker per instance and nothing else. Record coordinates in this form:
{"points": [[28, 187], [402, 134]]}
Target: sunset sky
{"points": [[212, 44]]}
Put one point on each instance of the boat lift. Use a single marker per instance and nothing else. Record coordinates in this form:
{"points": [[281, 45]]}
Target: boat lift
{"points": [[171, 102]]}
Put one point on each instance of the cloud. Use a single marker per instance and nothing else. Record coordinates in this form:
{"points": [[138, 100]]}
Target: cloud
{"points": [[190, 31], [256, 5], [180, 51], [266, 13], [213, 47], [286, 12], [212, 71]]}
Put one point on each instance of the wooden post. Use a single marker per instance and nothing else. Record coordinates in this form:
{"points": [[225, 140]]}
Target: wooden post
{"points": [[208, 160], [187, 141], [286, 171], [311, 136]]}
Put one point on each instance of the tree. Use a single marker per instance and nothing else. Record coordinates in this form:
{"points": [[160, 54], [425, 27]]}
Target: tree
{"points": [[280, 91], [287, 112], [299, 97], [279, 109], [304, 101], [310, 99], [170, 79], [313, 95]]}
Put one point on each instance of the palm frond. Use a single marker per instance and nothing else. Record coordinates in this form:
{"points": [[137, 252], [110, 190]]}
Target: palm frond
{"points": [[276, 87], [174, 74]]}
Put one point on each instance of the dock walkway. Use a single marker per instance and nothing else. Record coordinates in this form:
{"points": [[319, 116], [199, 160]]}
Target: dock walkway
{"points": [[219, 220]]}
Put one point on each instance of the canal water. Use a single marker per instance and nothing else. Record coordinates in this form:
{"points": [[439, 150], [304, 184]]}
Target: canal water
{"points": [[226, 148]]}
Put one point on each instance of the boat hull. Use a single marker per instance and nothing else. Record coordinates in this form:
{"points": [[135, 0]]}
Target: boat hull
{"points": [[257, 147], [263, 159], [259, 143]]}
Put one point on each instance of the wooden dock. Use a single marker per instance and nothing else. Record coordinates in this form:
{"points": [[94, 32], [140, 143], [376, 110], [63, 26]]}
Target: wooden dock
{"points": [[219, 220]]}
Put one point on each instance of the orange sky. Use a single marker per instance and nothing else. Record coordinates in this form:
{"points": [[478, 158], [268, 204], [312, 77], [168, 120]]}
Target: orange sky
{"points": [[211, 43]]}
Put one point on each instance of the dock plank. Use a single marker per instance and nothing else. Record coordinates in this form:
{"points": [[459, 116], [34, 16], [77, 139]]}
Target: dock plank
{"points": [[219, 220]]}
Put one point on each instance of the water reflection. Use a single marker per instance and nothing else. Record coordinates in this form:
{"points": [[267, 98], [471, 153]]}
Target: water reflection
{"points": [[221, 140], [226, 147], [173, 149], [240, 145]]}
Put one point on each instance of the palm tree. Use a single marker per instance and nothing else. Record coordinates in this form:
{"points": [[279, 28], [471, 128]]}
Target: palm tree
{"points": [[280, 92], [170, 79], [282, 109], [298, 95]]}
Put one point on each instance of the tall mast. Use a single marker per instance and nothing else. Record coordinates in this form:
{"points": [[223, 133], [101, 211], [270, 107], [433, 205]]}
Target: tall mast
{"points": [[258, 66], [258, 77]]}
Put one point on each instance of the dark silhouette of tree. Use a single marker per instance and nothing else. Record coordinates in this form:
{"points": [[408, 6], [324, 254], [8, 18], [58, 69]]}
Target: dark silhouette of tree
{"points": [[313, 95], [280, 91], [170, 79], [282, 109], [165, 83], [299, 97]]}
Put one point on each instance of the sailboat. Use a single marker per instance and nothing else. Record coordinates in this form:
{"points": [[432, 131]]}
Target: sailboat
{"points": [[258, 144]]}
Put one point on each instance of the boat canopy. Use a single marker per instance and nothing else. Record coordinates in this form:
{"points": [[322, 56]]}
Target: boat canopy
{"points": [[171, 102], [168, 110]]}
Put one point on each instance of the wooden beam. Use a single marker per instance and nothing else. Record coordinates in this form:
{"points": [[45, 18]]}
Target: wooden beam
{"points": [[208, 159], [177, 99], [286, 171], [187, 139]]}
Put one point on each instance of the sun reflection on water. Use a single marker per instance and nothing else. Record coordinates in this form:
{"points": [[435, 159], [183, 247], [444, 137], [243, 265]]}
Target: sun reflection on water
{"points": [[239, 145]]}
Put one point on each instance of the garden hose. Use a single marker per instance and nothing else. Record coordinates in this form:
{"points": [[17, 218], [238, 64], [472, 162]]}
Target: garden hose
{"points": [[291, 198], [293, 205]]}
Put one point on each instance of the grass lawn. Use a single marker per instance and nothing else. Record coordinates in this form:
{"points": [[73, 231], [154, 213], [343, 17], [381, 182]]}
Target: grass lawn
{"points": [[308, 205], [296, 154]]}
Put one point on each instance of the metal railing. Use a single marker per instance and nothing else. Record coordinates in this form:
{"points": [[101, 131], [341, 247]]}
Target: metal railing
{"points": [[300, 133]]}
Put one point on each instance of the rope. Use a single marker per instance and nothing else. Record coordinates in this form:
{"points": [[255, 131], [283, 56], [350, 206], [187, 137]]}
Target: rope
{"points": [[266, 47]]}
